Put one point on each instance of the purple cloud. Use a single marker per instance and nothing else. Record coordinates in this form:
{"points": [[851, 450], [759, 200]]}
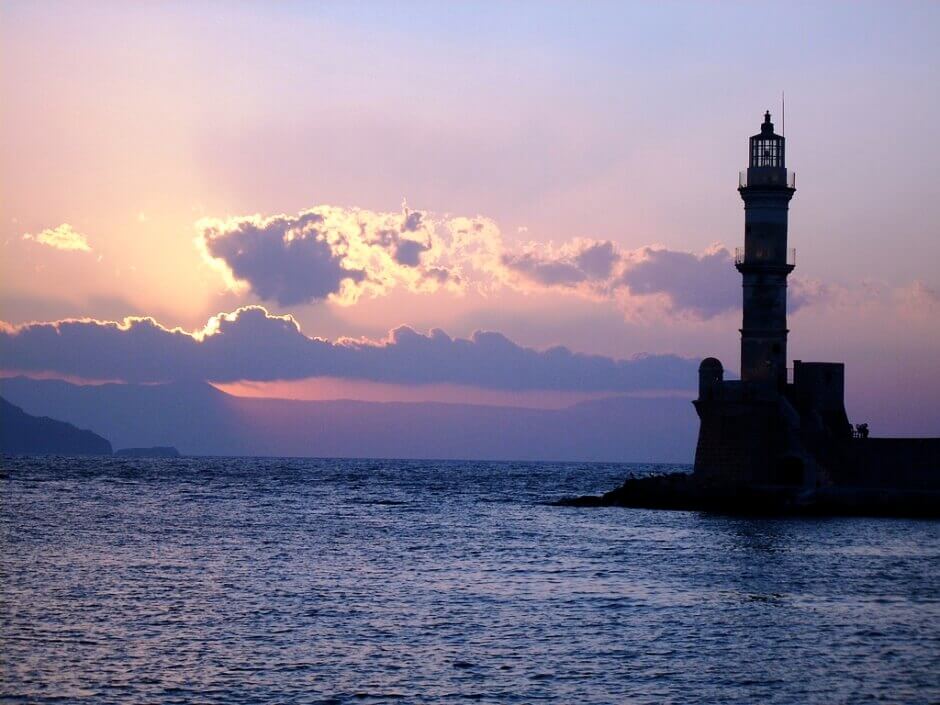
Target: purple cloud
{"points": [[704, 286], [598, 259], [341, 254], [698, 285], [326, 252], [581, 262], [408, 252], [251, 344], [285, 259]]}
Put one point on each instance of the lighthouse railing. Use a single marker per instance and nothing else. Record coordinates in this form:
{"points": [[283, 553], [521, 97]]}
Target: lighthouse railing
{"points": [[766, 176], [761, 256]]}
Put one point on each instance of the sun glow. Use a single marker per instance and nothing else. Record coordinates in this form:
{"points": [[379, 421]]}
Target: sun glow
{"points": [[334, 388]]}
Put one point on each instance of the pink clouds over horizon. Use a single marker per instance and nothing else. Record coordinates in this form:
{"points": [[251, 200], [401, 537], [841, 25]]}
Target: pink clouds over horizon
{"points": [[574, 173]]}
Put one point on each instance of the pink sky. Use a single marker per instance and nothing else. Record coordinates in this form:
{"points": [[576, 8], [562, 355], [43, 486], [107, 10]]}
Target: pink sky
{"points": [[133, 133]]}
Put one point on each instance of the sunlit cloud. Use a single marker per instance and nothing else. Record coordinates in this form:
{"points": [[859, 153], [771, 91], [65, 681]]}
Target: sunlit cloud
{"points": [[64, 237], [330, 252], [341, 255], [344, 254]]}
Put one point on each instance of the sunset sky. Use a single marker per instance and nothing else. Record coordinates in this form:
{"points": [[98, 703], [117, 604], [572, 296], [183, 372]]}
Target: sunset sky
{"points": [[398, 178]]}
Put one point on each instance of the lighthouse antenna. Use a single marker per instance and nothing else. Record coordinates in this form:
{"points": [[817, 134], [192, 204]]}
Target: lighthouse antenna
{"points": [[783, 114]]}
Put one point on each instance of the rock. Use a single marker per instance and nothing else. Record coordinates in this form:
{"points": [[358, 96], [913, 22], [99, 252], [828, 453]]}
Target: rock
{"points": [[688, 493]]}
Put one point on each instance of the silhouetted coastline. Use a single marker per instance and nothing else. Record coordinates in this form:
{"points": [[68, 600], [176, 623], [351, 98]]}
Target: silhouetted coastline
{"points": [[686, 492], [22, 433]]}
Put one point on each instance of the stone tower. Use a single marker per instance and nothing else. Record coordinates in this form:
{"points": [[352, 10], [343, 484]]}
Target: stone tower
{"points": [[749, 428], [768, 440], [765, 261]]}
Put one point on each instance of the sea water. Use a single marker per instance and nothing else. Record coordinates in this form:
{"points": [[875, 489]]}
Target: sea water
{"points": [[222, 580]]}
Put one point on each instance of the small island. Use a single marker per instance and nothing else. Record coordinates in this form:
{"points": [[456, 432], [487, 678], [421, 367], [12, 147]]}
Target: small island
{"points": [[154, 452], [25, 434]]}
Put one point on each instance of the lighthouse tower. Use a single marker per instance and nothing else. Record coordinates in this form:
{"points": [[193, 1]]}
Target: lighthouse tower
{"points": [[767, 441], [750, 428], [765, 261]]}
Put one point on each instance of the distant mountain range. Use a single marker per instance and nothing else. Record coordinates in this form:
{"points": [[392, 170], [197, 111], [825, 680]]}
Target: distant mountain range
{"points": [[23, 433], [198, 419]]}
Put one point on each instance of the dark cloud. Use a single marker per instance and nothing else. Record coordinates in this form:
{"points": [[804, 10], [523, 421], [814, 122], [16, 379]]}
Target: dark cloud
{"points": [[408, 252], [441, 275], [703, 286], [251, 344], [579, 262], [699, 285], [327, 252], [412, 221], [543, 271], [284, 259], [598, 260], [343, 254]]}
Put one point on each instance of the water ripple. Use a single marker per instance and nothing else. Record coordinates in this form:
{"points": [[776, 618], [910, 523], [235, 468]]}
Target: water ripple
{"points": [[219, 580]]}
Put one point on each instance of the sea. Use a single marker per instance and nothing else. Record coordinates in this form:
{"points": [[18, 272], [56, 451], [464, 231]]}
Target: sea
{"points": [[280, 580]]}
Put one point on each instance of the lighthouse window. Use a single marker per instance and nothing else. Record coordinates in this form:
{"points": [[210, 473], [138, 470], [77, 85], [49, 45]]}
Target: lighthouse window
{"points": [[765, 152]]}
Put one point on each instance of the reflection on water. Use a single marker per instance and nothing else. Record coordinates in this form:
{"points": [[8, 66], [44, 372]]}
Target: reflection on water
{"points": [[230, 581]]}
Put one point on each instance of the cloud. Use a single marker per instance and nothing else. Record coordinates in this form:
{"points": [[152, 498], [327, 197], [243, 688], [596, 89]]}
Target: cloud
{"points": [[251, 344], [573, 265], [64, 237], [666, 282], [701, 285], [672, 282], [329, 252], [913, 300], [284, 259], [344, 254], [918, 298]]}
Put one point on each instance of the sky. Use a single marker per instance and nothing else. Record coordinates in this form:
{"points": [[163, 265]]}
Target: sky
{"points": [[526, 203]]}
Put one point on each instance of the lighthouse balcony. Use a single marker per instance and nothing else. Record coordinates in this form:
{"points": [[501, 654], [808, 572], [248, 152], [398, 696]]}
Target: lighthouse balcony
{"points": [[767, 176], [764, 256]]}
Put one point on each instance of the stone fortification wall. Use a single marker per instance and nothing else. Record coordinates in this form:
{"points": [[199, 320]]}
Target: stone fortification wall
{"points": [[738, 442], [890, 463]]}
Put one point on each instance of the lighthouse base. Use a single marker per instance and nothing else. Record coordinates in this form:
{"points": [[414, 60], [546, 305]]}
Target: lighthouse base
{"points": [[764, 449], [686, 492]]}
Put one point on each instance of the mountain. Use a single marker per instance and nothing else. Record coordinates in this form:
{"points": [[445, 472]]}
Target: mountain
{"points": [[199, 419], [22, 433]]}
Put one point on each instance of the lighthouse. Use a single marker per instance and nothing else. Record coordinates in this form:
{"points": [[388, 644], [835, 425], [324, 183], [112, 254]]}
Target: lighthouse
{"points": [[765, 429], [765, 261], [768, 442], [751, 428]]}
